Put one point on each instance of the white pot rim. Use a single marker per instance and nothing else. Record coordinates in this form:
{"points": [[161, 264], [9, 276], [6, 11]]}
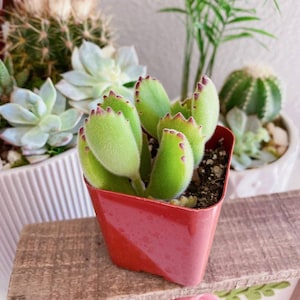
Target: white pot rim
{"points": [[292, 148], [38, 165]]}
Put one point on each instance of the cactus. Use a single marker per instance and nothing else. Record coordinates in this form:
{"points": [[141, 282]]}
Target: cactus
{"points": [[96, 71], [38, 122], [6, 83], [41, 36], [181, 130], [254, 89]]}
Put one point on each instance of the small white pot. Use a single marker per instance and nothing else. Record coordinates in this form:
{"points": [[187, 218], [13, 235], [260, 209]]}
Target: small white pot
{"points": [[48, 191], [271, 178]]}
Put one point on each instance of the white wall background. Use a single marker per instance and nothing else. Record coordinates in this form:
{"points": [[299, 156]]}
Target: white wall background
{"points": [[159, 40]]}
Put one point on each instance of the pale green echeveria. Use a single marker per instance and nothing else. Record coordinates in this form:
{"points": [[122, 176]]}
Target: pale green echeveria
{"points": [[250, 135], [39, 120], [96, 71]]}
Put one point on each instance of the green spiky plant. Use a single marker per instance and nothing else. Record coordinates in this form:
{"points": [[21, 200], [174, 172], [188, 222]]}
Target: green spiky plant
{"points": [[250, 99], [41, 36], [181, 130], [255, 89], [209, 25]]}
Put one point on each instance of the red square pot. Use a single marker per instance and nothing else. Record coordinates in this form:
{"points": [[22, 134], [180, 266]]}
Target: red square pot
{"points": [[156, 237]]}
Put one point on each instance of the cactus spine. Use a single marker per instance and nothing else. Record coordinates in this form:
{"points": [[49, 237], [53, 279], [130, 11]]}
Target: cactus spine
{"points": [[255, 90], [42, 36]]}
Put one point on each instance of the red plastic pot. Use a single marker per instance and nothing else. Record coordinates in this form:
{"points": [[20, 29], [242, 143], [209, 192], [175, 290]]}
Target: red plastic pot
{"points": [[156, 237]]}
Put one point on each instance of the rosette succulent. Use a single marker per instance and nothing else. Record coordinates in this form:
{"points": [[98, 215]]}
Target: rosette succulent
{"points": [[250, 135], [177, 132], [39, 122], [96, 71]]}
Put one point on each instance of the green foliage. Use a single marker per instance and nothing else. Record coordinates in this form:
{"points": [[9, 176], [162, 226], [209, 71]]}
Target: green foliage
{"points": [[117, 126], [210, 24], [256, 292]]}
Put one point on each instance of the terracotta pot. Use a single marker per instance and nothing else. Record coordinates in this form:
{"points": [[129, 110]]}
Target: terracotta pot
{"points": [[271, 178], [156, 237]]}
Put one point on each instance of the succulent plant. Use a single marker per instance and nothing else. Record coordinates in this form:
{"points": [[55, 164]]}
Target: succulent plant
{"points": [[41, 36], [38, 122], [250, 139], [254, 89], [251, 100], [180, 131], [96, 71]]}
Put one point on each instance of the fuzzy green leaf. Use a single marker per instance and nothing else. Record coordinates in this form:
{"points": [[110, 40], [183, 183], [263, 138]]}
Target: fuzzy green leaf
{"points": [[183, 107], [119, 104], [173, 166], [190, 129], [96, 174], [109, 135], [205, 106], [152, 103]]}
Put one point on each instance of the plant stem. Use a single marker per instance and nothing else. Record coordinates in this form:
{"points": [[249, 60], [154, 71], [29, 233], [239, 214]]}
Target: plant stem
{"points": [[138, 185], [187, 57]]}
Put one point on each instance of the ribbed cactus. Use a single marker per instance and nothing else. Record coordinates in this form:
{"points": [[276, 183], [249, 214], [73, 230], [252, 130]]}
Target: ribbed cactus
{"points": [[42, 35], [254, 89]]}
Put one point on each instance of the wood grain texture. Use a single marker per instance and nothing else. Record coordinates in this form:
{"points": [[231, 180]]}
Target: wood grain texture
{"points": [[257, 241]]}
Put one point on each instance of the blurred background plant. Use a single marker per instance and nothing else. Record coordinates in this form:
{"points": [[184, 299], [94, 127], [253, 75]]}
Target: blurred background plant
{"points": [[209, 24], [40, 35], [95, 71], [251, 101]]}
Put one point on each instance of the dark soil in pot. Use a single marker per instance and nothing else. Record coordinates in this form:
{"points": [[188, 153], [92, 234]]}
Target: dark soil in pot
{"points": [[208, 180]]}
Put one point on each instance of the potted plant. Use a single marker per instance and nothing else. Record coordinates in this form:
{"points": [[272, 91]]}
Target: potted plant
{"points": [[142, 168], [266, 139]]}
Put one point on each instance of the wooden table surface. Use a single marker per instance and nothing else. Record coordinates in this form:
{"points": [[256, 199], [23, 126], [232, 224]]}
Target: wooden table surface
{"points": [[257, 241]]}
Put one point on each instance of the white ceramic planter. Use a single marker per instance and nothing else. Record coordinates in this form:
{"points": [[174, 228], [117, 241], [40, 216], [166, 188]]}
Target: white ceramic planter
{"points": [[271, 178], [48, 191]]}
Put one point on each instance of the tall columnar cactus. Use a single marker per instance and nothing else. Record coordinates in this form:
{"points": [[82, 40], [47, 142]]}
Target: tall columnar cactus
{"points": [[42, 35], [255, 90], [180, 129]]}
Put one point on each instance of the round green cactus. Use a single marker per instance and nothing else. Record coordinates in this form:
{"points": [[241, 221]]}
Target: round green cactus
{"points": [[255, 90], [39, 42]]}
